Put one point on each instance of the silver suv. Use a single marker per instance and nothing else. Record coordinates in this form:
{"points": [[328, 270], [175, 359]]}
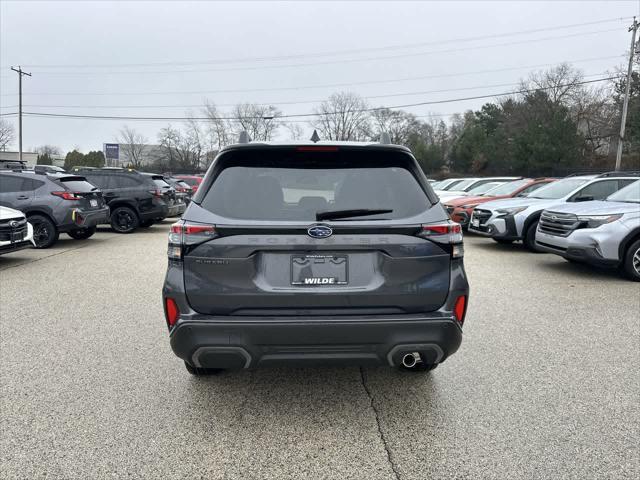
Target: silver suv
{"points": [[510, 219], [605, 233]]}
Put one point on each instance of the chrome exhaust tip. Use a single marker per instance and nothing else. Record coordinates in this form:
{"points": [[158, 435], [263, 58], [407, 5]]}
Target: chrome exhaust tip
{"points": [[410, 360]]}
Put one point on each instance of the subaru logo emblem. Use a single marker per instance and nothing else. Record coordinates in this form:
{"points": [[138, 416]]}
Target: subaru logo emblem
{"points": [[14, 224], [319, 231]]}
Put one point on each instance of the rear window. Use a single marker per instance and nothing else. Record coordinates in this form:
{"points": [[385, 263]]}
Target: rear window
{"points": [[160, 183], [296, 191], [192, 181], [77, 184]]}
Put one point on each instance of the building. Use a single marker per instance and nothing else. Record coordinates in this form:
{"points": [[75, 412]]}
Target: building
{"points": [[31, 158], [118, 154]]}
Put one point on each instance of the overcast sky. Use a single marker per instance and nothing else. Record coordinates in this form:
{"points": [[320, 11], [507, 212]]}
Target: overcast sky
{"points": [[166, 58]]}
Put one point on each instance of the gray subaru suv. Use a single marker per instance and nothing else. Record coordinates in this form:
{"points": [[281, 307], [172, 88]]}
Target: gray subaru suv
{"points": [[54, 203], [604, 233], [314, 254]]}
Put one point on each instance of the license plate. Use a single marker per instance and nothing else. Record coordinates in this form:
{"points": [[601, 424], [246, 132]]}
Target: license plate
{"points": [[475, 222], [319, 270], [93, 202], [16, 237]]}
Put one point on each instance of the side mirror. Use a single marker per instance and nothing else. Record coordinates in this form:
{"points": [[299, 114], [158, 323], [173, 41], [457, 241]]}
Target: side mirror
{"points": [[584, 198]]}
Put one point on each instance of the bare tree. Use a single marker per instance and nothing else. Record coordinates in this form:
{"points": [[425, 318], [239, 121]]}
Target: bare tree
{"points": [[259, 121], [296, 132], [560, 83], [218, 129], [7, 134], [398, 124], [133, 145], [48, 150], [342, 116], [182, 151]]}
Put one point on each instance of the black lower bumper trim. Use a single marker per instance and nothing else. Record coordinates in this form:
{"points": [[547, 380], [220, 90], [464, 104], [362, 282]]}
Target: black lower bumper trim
{"points": [[587, 255], [251, 343]]}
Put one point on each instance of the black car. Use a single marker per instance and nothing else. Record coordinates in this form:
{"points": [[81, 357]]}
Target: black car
{"points": [[319, 253], [182, 188], [54, 203], [133, 197], [175, 203]]}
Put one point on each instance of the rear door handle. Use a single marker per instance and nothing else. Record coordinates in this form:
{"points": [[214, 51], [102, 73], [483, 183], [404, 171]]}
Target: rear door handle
{"points": [[22, 197]]}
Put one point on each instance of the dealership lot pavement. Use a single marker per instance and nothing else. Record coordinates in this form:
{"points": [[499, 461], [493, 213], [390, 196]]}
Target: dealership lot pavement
{"points": [[546, 384]]}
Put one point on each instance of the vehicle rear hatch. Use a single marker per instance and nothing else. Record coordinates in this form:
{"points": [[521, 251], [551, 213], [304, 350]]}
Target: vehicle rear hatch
{"points": [[167, 191], [293, 231], [90, 196]]}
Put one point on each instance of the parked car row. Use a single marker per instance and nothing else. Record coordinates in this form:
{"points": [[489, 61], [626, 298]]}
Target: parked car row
{"points": [[591, 219], [55, 202]]}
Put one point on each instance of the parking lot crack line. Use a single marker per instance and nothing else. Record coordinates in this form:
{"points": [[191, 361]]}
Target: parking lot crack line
{"points": [[372, 403], [42, 258]]}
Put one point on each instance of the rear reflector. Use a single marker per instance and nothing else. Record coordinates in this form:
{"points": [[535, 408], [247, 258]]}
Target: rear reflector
{"points": [[171, 311], [460, 309]]}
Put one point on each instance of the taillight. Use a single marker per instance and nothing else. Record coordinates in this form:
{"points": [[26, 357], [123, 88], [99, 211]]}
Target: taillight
{"points": [[171, 311], [156, 193], [67, 195], [460, 309], [446, 232], [184, 234]]}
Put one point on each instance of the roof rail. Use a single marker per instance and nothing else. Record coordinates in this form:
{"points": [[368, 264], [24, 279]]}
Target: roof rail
{"points": [[244, 137], [579, 174], [627, 173]]}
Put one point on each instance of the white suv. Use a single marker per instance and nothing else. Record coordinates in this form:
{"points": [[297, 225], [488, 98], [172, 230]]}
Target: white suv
{"points": [[509, 219], [605, 233], [15, 232]]}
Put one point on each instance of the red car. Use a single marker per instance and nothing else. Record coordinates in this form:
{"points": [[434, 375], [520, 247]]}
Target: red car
{"points": [[193, 181], [459, 209]]}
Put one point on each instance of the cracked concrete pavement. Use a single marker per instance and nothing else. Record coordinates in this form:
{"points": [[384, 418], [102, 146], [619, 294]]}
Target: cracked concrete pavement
{"points": [[545, 385]]}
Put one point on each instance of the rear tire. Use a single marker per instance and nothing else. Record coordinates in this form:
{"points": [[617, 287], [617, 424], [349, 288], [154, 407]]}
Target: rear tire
{"points": [[124, 220], [82, 233], [45, 232], [530, 238], [631, 261], [502, 241], [420, 367], [199, 371]]}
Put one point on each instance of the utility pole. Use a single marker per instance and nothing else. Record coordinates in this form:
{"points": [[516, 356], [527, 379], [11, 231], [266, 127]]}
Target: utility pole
{"points": [[625, 104], [20, 74]]}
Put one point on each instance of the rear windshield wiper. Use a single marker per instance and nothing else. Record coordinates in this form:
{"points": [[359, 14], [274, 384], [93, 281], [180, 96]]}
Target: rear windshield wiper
{"points": [[337, 214]]}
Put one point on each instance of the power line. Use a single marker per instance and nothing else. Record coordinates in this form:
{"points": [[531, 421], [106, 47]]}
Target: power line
{"points": [[330, 62], [330, 85], [299, 102], [303, 115], [334, 52]]}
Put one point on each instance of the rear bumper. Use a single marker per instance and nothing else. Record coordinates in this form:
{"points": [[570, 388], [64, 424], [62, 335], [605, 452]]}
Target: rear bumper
{"points": [[78, 218], [176, 209], [158, 212], [223, 342]]}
